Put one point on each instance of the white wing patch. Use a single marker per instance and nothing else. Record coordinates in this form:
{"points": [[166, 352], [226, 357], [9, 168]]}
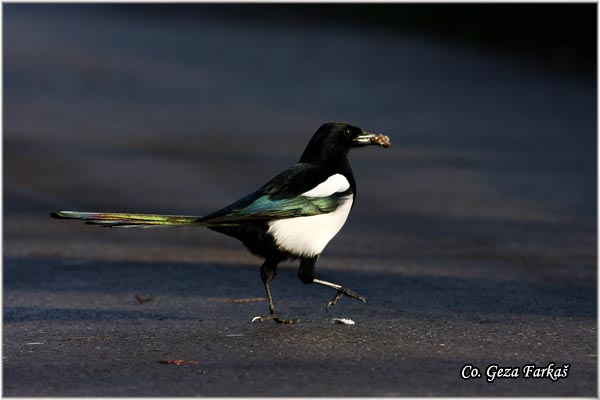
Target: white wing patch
{"points": [[308, 236], [334, 184]]}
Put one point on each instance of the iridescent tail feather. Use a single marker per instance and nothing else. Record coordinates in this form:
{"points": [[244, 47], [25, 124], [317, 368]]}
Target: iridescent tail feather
{"points": [[126, 220]]}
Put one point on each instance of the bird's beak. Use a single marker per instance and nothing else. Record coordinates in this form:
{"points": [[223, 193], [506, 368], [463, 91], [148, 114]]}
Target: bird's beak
{"points": [[367, 138]]}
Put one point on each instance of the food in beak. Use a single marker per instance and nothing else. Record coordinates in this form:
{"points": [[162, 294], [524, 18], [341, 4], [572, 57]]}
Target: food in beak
{"points": [[381, 140]]}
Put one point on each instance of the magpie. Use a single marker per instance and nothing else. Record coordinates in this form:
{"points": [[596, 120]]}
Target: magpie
{"points": [[291, 217]]}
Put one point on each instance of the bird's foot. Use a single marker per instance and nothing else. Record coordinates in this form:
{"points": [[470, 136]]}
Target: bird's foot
{"points": [[275, 317], [345, 292]]}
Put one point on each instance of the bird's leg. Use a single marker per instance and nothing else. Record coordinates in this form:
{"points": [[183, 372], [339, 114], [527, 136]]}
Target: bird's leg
{"points": [[267, 273], [306, 274], [341, 291]]}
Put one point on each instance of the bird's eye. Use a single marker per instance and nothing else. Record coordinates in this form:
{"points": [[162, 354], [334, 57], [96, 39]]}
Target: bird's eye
{"points": [[347, 132]]}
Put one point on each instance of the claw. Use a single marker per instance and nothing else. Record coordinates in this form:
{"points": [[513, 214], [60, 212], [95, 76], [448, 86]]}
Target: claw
{"points": [[334, 301], [344, 292], [275, 318]]}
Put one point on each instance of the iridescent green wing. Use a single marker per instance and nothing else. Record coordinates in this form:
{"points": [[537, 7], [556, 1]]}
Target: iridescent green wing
{"points": [[280, 198]]}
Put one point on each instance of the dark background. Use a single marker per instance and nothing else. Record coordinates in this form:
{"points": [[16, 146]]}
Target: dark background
{"points": [[559, 36], [473, 236]]}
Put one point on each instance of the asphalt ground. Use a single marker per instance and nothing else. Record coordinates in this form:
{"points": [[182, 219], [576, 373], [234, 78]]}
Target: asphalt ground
{"points": [[473, 236]]}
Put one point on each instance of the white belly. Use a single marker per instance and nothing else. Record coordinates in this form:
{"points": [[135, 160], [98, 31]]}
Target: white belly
{"points": [[308, 236]]}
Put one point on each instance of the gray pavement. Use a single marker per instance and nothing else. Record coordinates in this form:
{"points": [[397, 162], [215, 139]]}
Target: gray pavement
{"points": [[473, 237]]}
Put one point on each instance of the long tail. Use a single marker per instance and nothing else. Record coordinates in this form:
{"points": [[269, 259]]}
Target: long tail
{"points": [[125, 220]]}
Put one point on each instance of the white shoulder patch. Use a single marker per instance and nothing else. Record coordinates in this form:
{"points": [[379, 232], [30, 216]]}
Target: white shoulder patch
{"points": [[308, 236], [334, 184]]}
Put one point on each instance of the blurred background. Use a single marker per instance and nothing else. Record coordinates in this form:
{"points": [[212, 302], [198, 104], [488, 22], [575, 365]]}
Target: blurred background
{"points": [[182, 109]]}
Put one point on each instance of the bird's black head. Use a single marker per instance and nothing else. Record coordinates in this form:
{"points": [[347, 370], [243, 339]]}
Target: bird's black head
{"points": [[333, 140]]}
